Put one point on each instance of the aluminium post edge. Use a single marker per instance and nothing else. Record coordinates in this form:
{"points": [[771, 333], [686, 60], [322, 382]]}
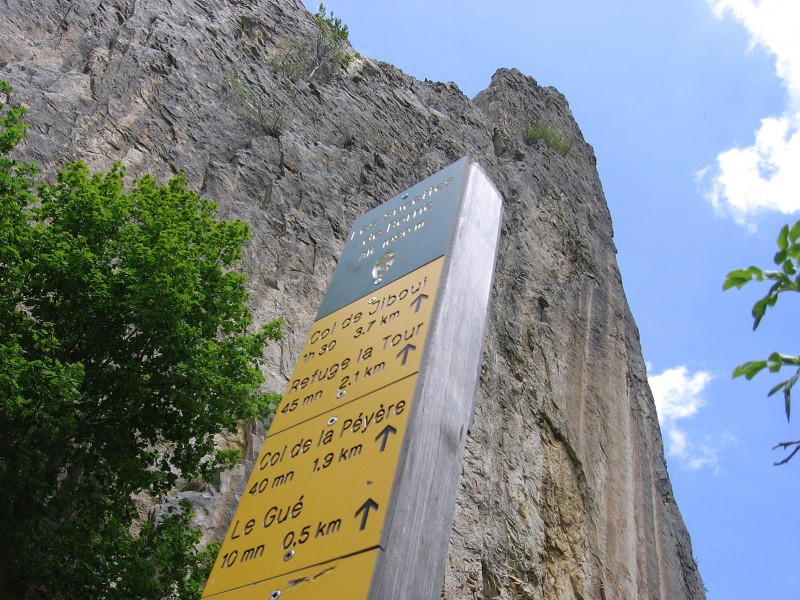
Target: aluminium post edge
{"points": [[416, 533]]}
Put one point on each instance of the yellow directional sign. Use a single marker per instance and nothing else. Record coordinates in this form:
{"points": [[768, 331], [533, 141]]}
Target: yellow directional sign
{"points": [[320, 488], [351, 495]]}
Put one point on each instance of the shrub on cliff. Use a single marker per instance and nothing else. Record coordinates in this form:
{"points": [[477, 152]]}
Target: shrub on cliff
{"points": [[536, 131], [323, 58], [125, 346]]}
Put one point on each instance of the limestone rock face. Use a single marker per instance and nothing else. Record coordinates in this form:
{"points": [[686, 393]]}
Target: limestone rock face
{"points": [[565, 492]]}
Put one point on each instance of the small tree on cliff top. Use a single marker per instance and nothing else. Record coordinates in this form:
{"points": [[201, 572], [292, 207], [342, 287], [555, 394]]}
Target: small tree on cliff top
{"points": [[125, 346], [324, 57]]}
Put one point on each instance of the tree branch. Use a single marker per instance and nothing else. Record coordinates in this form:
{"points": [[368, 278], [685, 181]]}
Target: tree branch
{"points": [[786, 446]]}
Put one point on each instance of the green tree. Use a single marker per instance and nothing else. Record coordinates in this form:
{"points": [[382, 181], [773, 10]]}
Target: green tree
{"points": [[785, 279], [331, 43], [126, 345]]}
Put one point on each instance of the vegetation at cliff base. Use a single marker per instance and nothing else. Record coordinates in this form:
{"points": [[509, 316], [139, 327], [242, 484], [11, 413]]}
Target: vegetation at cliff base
{"points": [[126, 345], [786, 279]]}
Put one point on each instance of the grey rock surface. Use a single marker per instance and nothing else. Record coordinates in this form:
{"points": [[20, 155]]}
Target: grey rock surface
{"points": [[565, 492]]}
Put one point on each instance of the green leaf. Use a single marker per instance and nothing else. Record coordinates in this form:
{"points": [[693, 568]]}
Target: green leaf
{"points": [[794, 232], [783, 238], [759, 309], [787, 394], [780, 256], [777, 388], [750, 369], [774, 362], [739, 277], [787, 402]]}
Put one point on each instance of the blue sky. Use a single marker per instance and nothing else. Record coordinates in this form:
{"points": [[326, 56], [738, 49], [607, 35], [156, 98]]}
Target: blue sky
{"points": [[693, 109]]}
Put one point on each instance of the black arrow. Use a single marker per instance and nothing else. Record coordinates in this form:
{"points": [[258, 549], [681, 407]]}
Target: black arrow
{"points": [[385, 433], [365, 508], [405, 351], [418, 301]]}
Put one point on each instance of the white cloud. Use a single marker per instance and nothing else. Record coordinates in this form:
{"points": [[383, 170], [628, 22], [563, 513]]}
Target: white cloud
{"points": [[764, 176], [678, 395], [678, 446]]}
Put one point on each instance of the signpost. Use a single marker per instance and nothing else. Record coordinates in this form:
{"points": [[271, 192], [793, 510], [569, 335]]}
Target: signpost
{"points": [[353, 493]]}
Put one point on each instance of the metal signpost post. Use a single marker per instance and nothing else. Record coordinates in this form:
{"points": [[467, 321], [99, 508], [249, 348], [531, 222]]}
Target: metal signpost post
{"points": [[353, 494]]}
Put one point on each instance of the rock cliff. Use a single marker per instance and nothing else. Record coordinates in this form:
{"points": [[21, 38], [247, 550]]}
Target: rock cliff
{"points": [[565, 492]]}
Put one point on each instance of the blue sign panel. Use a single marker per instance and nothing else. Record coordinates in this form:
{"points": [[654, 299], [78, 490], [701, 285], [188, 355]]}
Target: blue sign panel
{"points": [[397, 237]]}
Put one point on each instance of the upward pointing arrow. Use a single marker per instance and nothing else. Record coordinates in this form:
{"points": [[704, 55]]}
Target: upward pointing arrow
{"points": [[404, 352], [365, 508], [418, 301], [385, 433]]}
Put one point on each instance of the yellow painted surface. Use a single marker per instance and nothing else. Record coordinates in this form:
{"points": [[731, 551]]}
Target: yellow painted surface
{"points": [[318, 491], [340, 579], [321, 485], [374, 341]]}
